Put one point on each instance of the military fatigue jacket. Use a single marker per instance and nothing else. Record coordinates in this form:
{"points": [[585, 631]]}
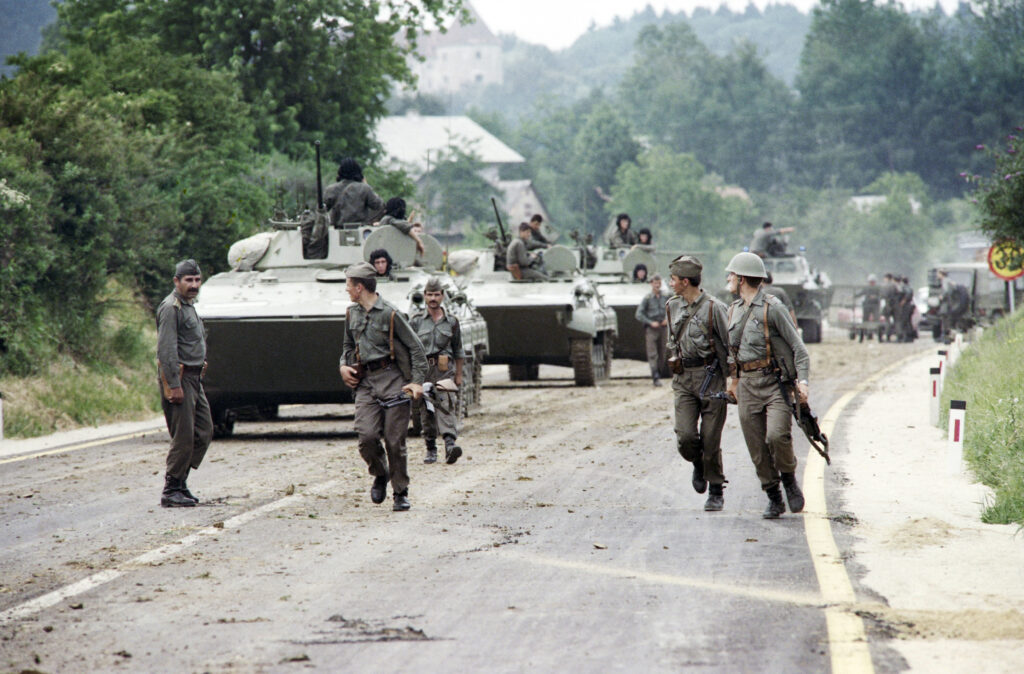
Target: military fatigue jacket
{"points": [[620, 240], [351, 202], [370, 332], [180, 339], [517, 254], [651, 309], [696, 340], [404, 226], [537, 240], [781, 294], [441, 337], [752, 343]]}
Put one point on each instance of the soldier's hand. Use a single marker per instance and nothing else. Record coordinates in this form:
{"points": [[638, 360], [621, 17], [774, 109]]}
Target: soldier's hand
{"points": [[177, 396], [458, 379], [732, 386], [415, 391], [348, 375], [655, 324], [802, 390]]}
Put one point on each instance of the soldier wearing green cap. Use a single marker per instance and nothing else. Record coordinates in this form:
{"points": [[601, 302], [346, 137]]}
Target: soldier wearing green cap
{"points": [[382, 359], [762, 340], [181, 359], [651, 312], [697, 348], [442, 341]]}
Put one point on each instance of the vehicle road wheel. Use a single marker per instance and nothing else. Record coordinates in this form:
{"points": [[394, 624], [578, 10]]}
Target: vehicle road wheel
{"points": [[588, 361], [223, 422], [812, 331], [609, 348]]}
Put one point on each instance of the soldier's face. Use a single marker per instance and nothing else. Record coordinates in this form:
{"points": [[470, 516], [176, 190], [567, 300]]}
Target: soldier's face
{"points": [[355, 291], [677, 284], [656, 286], [381, 265], [433, 298], [733, 282], [188, 286]]}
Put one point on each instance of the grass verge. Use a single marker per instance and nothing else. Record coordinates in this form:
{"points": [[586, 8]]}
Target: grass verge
{"points": [[989, 376], [117, 382]]}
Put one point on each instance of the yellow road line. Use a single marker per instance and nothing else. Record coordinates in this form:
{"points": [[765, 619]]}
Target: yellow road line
{"points": [[74, 448], [848, 643]]}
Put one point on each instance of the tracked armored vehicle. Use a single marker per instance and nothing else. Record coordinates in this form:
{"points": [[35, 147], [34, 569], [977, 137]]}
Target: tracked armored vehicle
{"points": [[560, 321], [810, 290], [275, 322]]}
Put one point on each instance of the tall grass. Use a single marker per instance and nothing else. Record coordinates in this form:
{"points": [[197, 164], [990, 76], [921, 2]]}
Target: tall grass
{"points": [[114, 381], [990, 378]]}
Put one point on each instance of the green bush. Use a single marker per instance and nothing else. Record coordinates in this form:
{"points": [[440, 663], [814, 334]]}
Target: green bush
{"points": [[989, 378]]}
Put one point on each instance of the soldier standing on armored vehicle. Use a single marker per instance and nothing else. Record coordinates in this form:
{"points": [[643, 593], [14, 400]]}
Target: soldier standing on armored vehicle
{"points": [[766, 354], [181, 358], [623, 236], [351, 201], [382, 360], [768, 240], [442, 341], [519, 261], [697, 339], [651, 312]]}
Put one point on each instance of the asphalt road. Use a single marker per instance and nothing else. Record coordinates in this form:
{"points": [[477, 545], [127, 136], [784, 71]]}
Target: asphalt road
{"points": [[567, 538]]}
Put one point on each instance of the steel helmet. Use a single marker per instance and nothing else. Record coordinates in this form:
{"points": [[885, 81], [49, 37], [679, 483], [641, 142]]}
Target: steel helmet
{"points": [[872, 278], [747, 264]]}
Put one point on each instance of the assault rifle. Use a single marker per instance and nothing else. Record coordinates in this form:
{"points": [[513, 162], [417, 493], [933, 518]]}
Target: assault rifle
{"points": [[709, 374], [805, 419], [394, 401]]}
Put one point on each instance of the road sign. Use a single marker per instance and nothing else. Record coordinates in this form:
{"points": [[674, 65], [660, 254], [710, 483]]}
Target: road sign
{"points": [[1006, 260]]}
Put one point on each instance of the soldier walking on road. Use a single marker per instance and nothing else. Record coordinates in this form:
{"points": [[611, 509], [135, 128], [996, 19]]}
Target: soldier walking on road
{"points": [[382, 360], [181, 359], [697, 339], [651, 312], [764, 350], [442, 341]]}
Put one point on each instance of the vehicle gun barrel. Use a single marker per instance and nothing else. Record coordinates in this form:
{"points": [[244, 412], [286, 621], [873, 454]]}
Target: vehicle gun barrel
{"points": [[501, 227]]}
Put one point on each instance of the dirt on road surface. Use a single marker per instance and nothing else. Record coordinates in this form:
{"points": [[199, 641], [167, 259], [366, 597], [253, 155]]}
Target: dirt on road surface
{"points": [[566, 538]]}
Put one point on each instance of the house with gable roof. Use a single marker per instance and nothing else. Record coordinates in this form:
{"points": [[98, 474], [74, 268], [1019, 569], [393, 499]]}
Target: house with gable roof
{"points": [[466, 55]]}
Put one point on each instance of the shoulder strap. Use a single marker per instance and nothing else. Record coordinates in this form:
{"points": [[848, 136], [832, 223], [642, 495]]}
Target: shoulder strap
{"points": [[734, 344], [391, 334], [767, 336], [682, 328]]}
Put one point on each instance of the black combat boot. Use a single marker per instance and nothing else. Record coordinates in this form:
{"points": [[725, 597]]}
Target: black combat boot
{"points": [[402, 501], [697, 479], [775, 505], [431, 456], [379, 489], [716, 500], [452, 452], [655, 376], [794, 496], [184, 488], [172, 496]]}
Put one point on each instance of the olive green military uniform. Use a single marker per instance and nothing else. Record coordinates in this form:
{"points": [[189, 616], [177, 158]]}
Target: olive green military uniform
{"points": [[781, 294], [442, 342], [181, 352], [652, 310], [765, 416], [352, 202], [697, 337], [517, 254], [537, 240], [404, 226], [620, 240], [368, 340]]}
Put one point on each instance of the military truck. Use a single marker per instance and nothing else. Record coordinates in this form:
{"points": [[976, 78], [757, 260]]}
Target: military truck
{"points": [[987, 299], [561, 321], [275, 322], [810, 290]]}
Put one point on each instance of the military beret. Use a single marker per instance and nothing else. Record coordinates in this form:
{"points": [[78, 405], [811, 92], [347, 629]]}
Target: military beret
{"points": [[187, 268], [686, 266], [433, 285], [361, 270]]}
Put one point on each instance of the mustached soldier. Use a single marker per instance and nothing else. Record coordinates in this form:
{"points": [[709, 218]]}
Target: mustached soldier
{"points": [[181, 357], [762, 338], [697, 339], [442, 341], [381, 359]]}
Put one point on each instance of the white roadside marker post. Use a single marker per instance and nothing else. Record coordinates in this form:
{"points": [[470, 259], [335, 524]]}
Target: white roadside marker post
{"points": [[942, 367], [955, 442], [934, 407]]}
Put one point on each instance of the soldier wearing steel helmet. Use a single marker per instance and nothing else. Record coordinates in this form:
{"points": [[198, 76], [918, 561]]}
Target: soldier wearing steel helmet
{"points": [[441, 336], [763, 346], [697, 342]]}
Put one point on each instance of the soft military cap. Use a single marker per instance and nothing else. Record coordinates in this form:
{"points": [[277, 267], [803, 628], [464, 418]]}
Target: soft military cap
{"points": [[686, 266], [187, 268], [433, 285], [361, 270]]}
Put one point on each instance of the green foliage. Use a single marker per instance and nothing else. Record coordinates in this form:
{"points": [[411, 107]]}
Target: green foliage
{"points": [[988, 377], [1001, 194], [455, 194]]}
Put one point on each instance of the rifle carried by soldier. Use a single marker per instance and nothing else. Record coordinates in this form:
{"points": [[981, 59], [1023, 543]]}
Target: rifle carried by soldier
{"points": [[805, 418]]}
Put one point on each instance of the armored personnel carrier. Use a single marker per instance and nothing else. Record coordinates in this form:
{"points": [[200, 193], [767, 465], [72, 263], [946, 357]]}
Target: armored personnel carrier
{"points": [[561, 321], [810, 290], [275, 322]]}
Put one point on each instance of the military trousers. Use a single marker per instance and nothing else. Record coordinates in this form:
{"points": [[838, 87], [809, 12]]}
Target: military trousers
{"points": [[445, 417], [190, 425], [655, 341], [375, 425], [767, 422], [699, 422]]}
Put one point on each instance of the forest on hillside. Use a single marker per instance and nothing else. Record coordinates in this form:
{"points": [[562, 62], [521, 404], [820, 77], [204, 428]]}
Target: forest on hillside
{"points": [[149, 130]]}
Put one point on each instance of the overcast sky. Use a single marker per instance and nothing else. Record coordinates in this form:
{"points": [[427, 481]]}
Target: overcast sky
{"points": [[557, 23]]}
